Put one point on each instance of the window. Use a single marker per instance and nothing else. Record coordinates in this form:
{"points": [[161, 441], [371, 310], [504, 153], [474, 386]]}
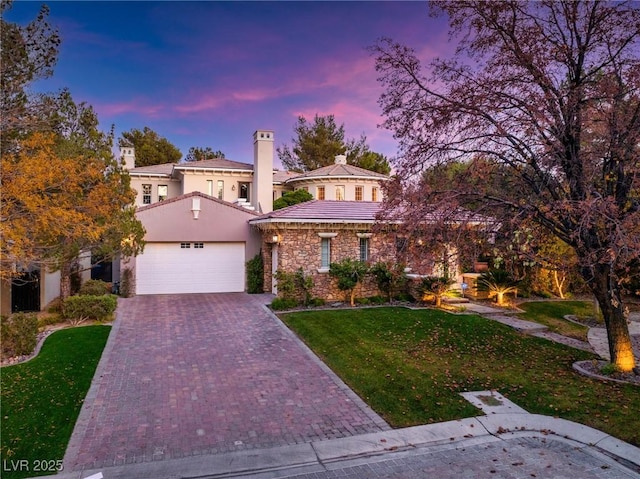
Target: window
{"points": [[359, 193], [198, 245], [146, 194], [220, 189], [374, 193], [339, 193], [364, 249], [163, 192], [325, 253], [185, 245], [320, 193], [210, 187]]}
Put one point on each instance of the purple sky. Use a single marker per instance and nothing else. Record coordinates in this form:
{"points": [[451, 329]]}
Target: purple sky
{"points": [[211, 73]]}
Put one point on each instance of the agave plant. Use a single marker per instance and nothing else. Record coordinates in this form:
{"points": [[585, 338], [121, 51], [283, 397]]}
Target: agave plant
{"points": [[498, 282]]}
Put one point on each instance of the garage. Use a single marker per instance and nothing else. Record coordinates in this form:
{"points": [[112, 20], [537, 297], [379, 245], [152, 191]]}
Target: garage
{"points": [[191, 267]]}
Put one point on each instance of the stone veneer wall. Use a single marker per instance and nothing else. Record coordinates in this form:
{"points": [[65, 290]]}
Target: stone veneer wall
{"points": [[300, 246]]}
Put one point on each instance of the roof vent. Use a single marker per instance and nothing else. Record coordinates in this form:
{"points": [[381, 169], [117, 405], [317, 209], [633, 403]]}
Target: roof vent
{"points": [[341, 159]]}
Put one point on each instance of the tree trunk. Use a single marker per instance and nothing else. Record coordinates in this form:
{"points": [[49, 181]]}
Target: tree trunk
{"points": [[438, 300], [353, 297], [65, 281], [609, 298], [559, 283]]}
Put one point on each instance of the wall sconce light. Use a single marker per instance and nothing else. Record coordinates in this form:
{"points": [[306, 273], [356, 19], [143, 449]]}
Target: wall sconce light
{"points": [[195, 207], [233, 187], [275, 239]]}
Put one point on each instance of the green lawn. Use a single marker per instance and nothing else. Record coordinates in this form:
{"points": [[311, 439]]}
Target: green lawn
{"points": [[409, 366], [41, 399], [551, 314]]}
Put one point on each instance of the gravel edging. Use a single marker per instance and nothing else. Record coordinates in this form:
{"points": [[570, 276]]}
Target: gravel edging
{"points": [[592, 369]]}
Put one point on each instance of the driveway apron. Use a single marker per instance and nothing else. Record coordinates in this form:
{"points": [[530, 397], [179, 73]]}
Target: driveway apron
{"points": [[193, 374]]}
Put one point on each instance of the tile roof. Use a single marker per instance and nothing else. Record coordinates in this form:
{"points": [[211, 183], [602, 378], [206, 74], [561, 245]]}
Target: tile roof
{"points": [[164, 169], [214, 164], [341, 171], [324, 211], [167, 169], [189, 195], [282, 176]]}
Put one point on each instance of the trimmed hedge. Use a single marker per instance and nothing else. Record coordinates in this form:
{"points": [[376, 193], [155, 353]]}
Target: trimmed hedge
{"points": [[94, 287], [81, 308], [18, 334]]}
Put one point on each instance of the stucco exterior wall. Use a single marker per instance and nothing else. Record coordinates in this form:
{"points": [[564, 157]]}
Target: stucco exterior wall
{"points": [[197, 181], [349, 184], [174, 187]]}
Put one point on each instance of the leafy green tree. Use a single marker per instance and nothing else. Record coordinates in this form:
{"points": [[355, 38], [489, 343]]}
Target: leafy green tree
{"points": [[198, 154], [292, 198], [350, 274], [28, 53], [317, 144], [547, 96], [151, 148], [390, 277]]}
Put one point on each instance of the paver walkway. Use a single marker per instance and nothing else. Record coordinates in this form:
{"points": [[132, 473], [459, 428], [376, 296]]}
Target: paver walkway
{"points": [[204, 374]]}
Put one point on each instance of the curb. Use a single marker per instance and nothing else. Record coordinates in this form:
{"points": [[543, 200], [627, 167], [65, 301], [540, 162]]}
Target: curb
{"points": [[314, 457]]}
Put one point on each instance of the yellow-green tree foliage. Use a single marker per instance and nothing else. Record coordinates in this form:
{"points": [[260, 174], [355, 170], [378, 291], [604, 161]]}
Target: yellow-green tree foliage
{"points": [[55, 206]]}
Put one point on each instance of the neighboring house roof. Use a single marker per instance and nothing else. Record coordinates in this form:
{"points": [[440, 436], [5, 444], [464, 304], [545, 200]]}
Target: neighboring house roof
{"points": [[340, 171], [323, 211], [189, 195]]}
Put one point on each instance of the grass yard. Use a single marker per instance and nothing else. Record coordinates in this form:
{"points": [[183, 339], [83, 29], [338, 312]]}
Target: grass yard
{"points": [[551, 314], [409, 366], [41, 400]]}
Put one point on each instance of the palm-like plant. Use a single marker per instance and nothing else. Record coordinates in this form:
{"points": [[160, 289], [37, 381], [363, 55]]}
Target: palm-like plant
{"points": [[498, 282], [435, 286]]}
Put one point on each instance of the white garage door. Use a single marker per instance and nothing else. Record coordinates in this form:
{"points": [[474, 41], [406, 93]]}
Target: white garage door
{"points": [[190, 268]]}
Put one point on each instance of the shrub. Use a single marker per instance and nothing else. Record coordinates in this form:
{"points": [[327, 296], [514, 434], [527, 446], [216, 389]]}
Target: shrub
{"points": [[18, 334], [280, 304], [292, 198], [94, 287], [498, 282], [295, 286], [126, 283], [390, 278], [434, 287], [77, 309], [255, 275]]}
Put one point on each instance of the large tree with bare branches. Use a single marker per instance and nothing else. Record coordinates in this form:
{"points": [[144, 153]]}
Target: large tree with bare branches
{"points": [[546, 96]]}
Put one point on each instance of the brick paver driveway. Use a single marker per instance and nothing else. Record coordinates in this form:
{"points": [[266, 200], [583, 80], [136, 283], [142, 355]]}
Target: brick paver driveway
{"points": [[205, 374]]}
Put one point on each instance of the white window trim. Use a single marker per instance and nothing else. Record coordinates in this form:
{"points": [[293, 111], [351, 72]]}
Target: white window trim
{"points": [[328, 236]]}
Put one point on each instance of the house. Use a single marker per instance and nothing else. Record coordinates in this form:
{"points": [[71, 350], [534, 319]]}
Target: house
{"points": [[199, 216]]}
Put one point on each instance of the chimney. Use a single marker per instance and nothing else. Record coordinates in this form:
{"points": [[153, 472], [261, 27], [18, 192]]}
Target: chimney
{"points": [[128, 156], [341, 159], [262, 195]]}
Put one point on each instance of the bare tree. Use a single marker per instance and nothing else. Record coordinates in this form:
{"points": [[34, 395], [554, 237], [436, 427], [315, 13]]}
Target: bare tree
{"points": [[547, 92]]}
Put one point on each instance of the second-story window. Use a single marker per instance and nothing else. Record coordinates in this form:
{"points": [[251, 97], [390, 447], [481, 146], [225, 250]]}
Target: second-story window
{"points": [[146, 194], [374, 193], [220, 190], [339, 193], [320, 193], [210, 187], [359, 193], [163, 192]]}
